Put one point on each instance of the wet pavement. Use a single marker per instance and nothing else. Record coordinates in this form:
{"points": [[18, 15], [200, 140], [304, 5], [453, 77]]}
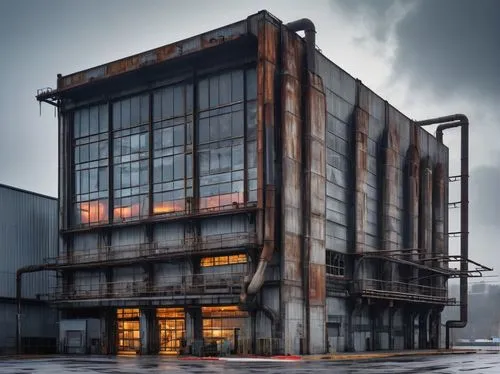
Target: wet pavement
{"points": [[463, 363]]}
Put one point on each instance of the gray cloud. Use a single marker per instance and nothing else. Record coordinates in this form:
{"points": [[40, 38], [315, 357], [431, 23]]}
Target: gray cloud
{"points": [[484, 196], [451, 45]]}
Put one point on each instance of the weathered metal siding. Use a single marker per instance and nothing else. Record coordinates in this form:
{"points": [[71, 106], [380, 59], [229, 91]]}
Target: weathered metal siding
{"points": [[28, 235], [38, 321], [340, 91], [292, 298]]}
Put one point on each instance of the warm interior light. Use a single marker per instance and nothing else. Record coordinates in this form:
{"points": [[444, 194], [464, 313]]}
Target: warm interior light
{"points": [[223, 260], [93, 211], [216, 201], [163, 207]]}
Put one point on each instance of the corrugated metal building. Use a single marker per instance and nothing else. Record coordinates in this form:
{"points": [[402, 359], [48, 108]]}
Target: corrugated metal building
{"points": [[237, 191], [28, 235]]}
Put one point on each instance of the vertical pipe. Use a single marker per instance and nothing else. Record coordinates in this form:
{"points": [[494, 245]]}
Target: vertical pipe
{"points": [[448, 122]]}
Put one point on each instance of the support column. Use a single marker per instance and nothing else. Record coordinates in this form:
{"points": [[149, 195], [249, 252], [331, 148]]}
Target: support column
{"points": [[392, 312], [422, 329], [194, 331], [110, 336], [434, 328], [409, 328]]}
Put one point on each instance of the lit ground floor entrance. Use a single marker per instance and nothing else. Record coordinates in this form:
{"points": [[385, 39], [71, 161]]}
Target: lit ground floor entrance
{"points": [[128, 329], [223, 328], [171, 323]]}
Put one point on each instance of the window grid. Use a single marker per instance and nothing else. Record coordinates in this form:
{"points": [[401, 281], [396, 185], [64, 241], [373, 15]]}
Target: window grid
{"points": [[220, 140], [172, 158], [131, 158], [335, 263], [224, 260], [90, 158], [226, 142]]}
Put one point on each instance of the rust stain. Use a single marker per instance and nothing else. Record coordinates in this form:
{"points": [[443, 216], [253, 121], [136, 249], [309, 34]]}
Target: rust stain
{"points": [[413, 162], [361, 160], [439, 210], [425, 213], [390, 205], [317, 284], [155, 56]]}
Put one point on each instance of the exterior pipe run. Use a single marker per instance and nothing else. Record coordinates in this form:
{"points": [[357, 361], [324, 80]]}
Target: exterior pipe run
{"points": [[448, 122], [267, 251], [19, 275]]}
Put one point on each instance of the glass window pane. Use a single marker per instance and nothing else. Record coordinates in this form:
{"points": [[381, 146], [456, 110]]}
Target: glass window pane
{"points": [[134, 174], [179, 167], [117, 173], [225, 126], [126, 175], [157, 105], [203, 131], [167, 103], [103, 118], [214, 128], [77, 182], [135, 110], [214, 161], [179, 135], [117, 117], [178, 101], [76, 124], [94, 182], [204, 162], [157, 138], [103, 149], [251, 84], [225, 159], [252, 154], [144, 142], [189, 166], [135, 143], [94, 120], [94, 151], [125, 114], [189, 131], [237, 85], [214, 91], [84, 153], [126, 145], [251, 120], [203, 94], [77, 154], [168, 172], [157, 164], [84, 182], [144, 166], [103, 179], [144, 109], [84, 122], [168, 138], [237, 123], [117, 147], [225, 89], [237, 157]]}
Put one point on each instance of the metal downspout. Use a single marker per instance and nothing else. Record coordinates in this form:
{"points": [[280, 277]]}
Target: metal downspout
{"points": [[267, 252], [19, 274], [448, 122]]}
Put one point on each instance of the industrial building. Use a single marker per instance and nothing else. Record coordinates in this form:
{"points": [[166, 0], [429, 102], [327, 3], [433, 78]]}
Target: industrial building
{"points": [[28, 235], [237, 192]]}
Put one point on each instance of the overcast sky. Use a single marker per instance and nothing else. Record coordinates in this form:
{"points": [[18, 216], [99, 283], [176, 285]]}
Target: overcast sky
{"points": [[428, 58]]}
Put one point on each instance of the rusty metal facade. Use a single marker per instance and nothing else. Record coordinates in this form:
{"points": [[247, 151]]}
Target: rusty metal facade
{"points": [[346, 239]]}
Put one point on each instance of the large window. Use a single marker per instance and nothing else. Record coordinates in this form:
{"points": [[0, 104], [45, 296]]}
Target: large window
{"points": [[90, 142], [130, 158], [220, 139], [172, 175], [335, 263], [226, 120]]}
